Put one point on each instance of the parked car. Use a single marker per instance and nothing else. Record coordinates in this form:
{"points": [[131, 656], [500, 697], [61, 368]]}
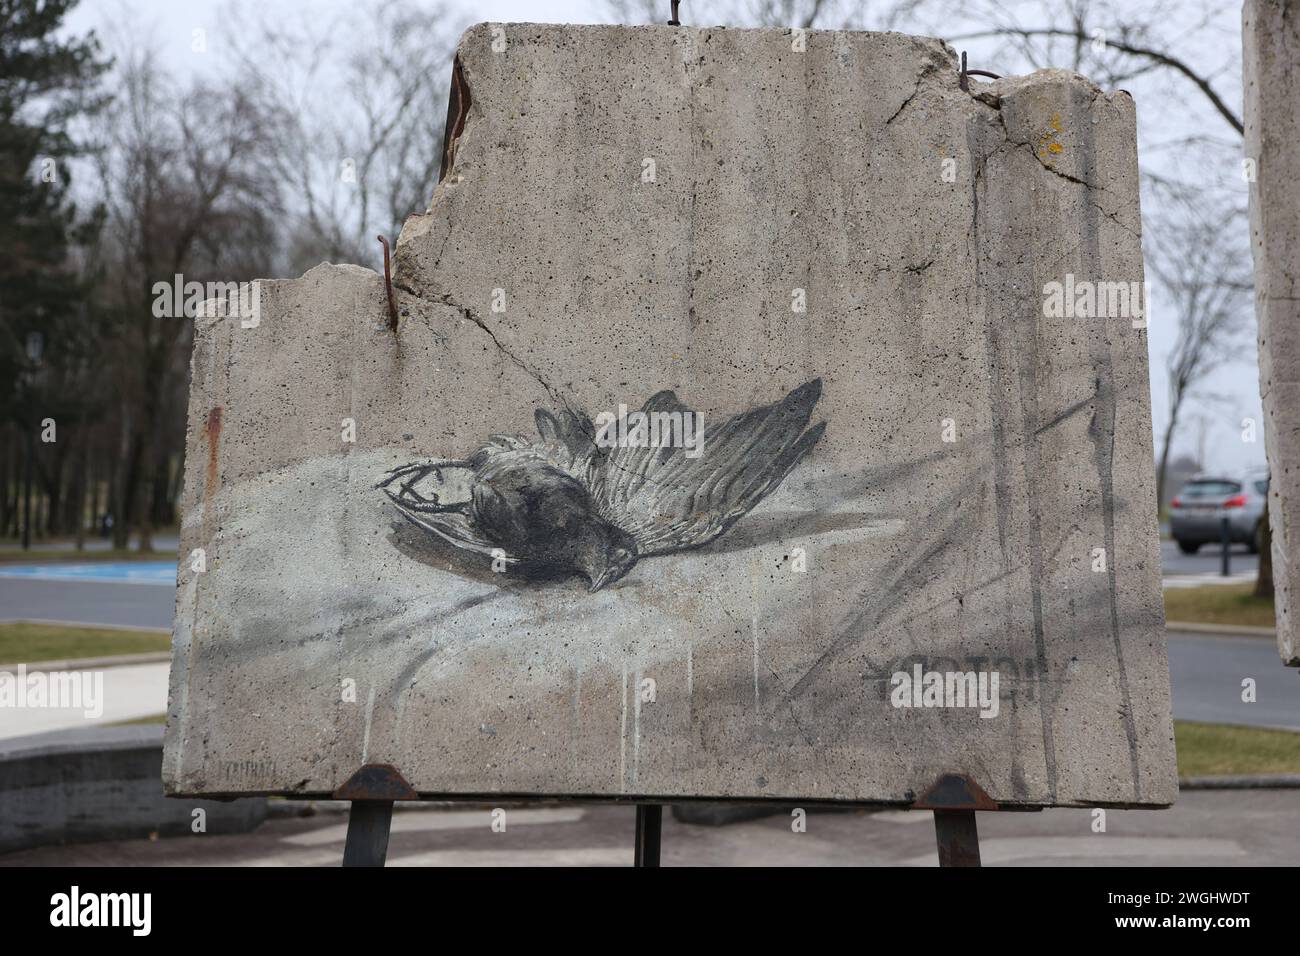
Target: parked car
{"points": [[1197, 511]]}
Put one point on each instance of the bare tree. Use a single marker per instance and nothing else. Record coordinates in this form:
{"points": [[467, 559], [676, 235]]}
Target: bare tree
{"points": [[1110, 42], [1195, 252], [189, 191], [357, 122]]}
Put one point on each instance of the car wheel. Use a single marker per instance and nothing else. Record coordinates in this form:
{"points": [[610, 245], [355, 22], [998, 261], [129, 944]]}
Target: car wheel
{"points": [[1189, 547]]}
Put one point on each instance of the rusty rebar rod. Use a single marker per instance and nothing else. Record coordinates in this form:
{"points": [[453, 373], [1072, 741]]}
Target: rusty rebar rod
{"points": [[388, 285]]}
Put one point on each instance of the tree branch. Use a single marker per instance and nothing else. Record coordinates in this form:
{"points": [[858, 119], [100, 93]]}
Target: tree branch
{"points": [[1156, 56]]}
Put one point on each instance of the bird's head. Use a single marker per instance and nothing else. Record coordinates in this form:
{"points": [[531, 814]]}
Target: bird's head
{"points": [[608, 558]]}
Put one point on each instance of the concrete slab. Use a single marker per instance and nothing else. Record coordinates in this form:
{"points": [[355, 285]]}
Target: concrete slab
{"points": [[1270, 33], [734, 215]]}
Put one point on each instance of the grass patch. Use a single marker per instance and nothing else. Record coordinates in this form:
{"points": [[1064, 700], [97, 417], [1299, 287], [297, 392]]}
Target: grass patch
{"points": [[1216, 750], [72, 556], [25, 643], [1219, 604]]}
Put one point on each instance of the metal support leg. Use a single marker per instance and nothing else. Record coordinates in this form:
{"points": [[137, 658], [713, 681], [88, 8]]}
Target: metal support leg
{"points": [[1225, 548], [958, 839], [368, 824], [649, 826]]}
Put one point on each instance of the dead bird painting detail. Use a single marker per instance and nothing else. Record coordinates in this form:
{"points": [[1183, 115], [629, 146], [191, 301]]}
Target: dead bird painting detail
{"points": [[592, 498]]}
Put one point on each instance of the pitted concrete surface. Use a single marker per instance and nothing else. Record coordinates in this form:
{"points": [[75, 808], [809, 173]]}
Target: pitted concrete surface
{"points": [[729, 216], [1270, 33]]}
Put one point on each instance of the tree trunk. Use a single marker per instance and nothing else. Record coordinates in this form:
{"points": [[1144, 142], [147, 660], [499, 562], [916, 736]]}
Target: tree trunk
{"points": [[1164, 459], [128, 491], [51, 479], [82, 482], [8, 496], [1264, 580], [98, 499], [161, 506]]}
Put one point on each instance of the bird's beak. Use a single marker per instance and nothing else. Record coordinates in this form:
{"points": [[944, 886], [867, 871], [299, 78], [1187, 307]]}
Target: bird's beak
{"points": [[609, 574]]}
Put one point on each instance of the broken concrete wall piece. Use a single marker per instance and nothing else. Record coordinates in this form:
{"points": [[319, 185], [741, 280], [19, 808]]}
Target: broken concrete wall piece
{"points": [[900, 448], [1271, 37]]}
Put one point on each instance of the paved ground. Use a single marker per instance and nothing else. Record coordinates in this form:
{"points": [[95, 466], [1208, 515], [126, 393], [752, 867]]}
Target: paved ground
{"points": [[1207, 560], [1201, 579], [164, 542], [1207, 670], [136, 690], [83, 602], [1206, 828]]}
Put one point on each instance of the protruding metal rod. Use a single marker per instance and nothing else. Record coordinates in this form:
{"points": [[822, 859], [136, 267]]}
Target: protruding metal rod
{"points": [[957, 837], [962, 78], [676, 21], [649, 827], [388, 285], [368, 824]]}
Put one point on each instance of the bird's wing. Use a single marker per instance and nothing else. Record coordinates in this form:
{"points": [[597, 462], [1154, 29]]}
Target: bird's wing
{"points": [[568, 439], [669, 501], [435, 496]]}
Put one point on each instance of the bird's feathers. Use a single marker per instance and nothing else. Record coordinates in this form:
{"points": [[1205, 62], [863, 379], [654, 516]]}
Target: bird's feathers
{"points": [[670, 501], [666, 498]]}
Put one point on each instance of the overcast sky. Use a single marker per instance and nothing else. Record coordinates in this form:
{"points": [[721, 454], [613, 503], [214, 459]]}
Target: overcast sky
{"points": [[1214, 427]]}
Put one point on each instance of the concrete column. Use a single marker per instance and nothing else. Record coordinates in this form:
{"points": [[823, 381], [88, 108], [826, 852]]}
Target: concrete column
{"points": [[1271, 80]]}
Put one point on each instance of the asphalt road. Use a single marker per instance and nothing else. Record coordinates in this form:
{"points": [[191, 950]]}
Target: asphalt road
{"points": [[85, 602], [1206, 561], [1206, 672], [1204, 828]]}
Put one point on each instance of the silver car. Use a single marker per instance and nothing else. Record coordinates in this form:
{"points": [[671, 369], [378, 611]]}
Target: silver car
{"points": [[1197, 511]]}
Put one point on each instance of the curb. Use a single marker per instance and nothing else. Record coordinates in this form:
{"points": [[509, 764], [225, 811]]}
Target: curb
{"points": [[100, 783], [1275, 781], [1232, 630], [93, 663]]}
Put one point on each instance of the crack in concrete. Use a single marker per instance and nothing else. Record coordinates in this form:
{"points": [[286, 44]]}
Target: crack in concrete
{"points": [[1051, 169], [1114, 217], [997, 108], [559, 398], [929, 70], [469, 314]]}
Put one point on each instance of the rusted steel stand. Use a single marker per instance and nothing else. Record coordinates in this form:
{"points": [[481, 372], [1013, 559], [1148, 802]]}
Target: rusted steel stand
{"points": [[369, 822], [649, 827], [958, 838], [372, 790], [954, 798]]}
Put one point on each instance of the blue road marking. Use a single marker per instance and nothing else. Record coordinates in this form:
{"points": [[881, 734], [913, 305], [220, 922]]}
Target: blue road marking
{"points": [[130, 572]]}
